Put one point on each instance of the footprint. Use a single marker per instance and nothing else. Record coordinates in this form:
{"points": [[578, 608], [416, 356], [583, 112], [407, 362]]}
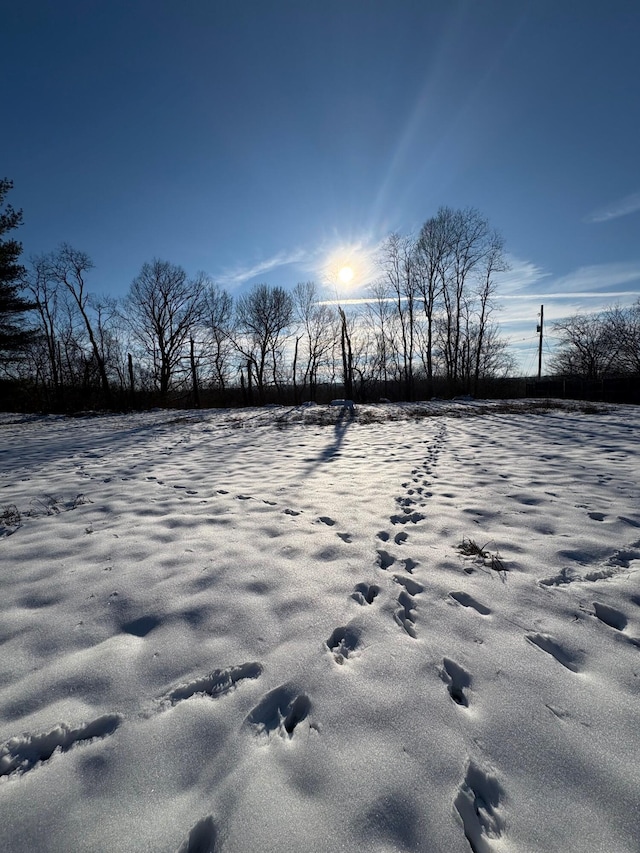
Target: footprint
{"points": [[478, 804], [409, 564], [610, 616], [21, 754], [217, 683], [567, 658], [290, 512], [244, 497], [601, 574], [281, 711], [325, 519], [405, 502], [597, 516], [401, 537], [342, 642], [142, 626], [565, 576], [405, 617], [202, 838], [365, 593], [405, 518], [467, 600], [346, 537], [458, 679], [623, 557], [412, 587], [384, 559], [383, 535]]}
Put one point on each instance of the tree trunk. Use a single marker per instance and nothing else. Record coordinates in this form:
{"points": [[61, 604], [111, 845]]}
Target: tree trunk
{"points": [[347, 357], [296, 401], [249, 383], [132, 389], [194, 374]]}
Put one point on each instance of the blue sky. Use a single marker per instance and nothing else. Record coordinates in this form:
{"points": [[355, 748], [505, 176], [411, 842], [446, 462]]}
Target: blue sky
{"points": [[268, 140]]}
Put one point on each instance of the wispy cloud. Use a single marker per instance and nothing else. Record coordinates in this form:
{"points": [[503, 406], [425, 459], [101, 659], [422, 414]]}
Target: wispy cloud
{"points": [[519, 278], [599, 278], [241, 274], [352, 300], [576, 294], [622, 207], [586, 289], [600, 281], [320, 263], [526, 282]]}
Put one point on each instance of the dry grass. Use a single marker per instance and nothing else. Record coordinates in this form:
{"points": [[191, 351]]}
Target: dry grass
{"points": [[10, 518], [470, 548]]}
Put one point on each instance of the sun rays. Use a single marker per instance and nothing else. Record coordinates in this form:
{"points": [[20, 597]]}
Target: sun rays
{"points": [[350, 267]]}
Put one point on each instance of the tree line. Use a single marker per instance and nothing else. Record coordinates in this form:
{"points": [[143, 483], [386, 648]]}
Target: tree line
{"points": [[427, 326], [597, 345]]}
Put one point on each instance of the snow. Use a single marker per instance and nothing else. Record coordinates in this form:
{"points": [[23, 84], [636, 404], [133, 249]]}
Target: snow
{"points": [[407, 628]]}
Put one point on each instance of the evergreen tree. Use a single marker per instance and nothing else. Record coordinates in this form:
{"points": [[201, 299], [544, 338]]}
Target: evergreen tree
{"points": [[13, 335]]}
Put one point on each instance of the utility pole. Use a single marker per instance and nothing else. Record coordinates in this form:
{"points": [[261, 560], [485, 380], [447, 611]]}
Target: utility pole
{"points": [[540, 332]]}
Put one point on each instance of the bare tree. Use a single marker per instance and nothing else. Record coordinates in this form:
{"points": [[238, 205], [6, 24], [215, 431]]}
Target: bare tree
{"points": [[111, 334], [585, 346], [492, 262], [597, 344], [68, 267], [163, 307], [495, 357], [458, 256], [623, 330], [468, 233], [263, 317], [379, 318], [76, 342], [398, 263], [75, 360], [217, 321], [318, 331], [46, 351], [363, 356], [432, 253]]}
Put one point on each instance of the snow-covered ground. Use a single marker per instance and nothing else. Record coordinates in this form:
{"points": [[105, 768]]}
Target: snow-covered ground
{"points": [[269, 631]]}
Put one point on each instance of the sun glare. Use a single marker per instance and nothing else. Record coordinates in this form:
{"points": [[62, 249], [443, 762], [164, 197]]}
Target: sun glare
{"points": [[345, 274], [349, 268]]}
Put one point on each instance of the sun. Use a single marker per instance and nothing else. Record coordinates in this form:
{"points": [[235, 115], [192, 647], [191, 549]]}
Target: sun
{"points": [[345, 274], [349, 268]]}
